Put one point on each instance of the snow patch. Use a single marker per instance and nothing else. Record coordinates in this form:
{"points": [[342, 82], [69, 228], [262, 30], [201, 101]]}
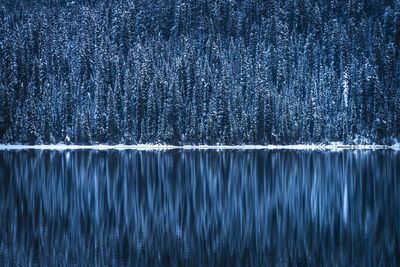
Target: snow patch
{"points": [[396, 146], [332, 146]]}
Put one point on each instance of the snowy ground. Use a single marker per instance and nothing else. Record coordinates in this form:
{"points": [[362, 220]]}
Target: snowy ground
{"points": [[334, 146]]}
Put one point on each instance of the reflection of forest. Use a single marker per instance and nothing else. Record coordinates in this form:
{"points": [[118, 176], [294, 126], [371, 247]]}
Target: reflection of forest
{"points": [[199, 207]]}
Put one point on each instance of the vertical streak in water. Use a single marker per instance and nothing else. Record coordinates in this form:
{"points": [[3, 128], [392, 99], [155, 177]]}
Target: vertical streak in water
{"points": [[345, 204]]}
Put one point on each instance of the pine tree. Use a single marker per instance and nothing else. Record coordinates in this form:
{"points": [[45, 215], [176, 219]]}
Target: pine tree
{"points": [[113, 132]]}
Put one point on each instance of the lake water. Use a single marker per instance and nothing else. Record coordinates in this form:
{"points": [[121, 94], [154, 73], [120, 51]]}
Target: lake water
{"points": [[190, 208]]}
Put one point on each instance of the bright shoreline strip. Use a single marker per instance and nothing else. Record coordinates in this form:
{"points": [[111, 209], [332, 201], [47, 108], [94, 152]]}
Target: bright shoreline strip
{"points": [[198, 147]]}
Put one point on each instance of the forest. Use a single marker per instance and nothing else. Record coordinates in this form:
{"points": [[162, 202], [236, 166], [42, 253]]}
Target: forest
{"points": [[199, 71]]}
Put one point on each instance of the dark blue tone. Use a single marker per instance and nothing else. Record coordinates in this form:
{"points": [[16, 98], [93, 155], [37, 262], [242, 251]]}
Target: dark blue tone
{"points": [[205, 208], [192, 72]]}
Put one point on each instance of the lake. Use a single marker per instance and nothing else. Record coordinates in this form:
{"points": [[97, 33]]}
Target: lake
{"points": [[190, 208]]}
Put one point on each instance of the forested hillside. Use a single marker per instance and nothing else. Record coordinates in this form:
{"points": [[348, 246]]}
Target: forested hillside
{"points": [[199, 71]]}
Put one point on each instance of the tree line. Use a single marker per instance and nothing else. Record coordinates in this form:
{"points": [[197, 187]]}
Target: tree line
{"points": [[199, 71]]}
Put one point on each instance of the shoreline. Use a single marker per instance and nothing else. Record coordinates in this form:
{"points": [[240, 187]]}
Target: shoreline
{"points": [[333, 147]]}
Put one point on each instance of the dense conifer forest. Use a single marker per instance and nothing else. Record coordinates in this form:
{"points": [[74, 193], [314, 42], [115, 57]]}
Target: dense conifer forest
{"points": [[199, 71]]}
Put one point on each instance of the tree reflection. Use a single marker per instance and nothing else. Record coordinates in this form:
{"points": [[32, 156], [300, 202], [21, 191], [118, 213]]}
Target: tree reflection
{"points": [[199, 207]]}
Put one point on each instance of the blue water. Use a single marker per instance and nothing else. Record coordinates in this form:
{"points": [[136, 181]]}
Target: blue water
{"points": [[191, 208]]}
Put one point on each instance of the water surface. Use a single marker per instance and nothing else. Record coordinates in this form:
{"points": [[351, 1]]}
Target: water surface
{"points": [[190, 208]]}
